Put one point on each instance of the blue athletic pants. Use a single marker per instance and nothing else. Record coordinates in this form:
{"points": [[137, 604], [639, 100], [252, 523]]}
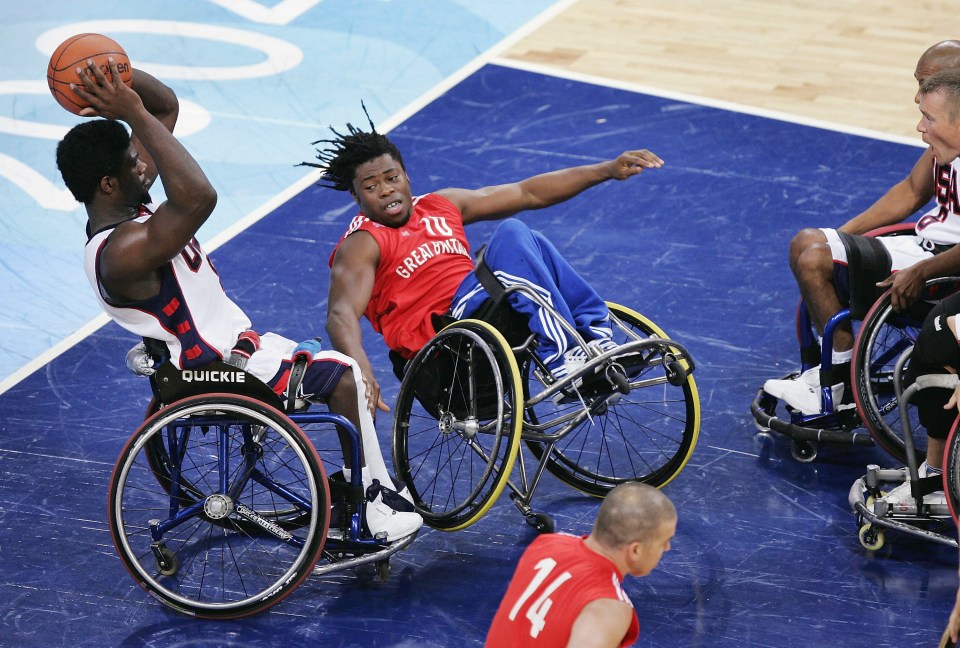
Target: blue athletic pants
{"points": [[518, 255]]}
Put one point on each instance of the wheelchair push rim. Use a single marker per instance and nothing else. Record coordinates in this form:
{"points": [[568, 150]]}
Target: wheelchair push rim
{"points": [[647, 435], [206, 536], [457, 424]]}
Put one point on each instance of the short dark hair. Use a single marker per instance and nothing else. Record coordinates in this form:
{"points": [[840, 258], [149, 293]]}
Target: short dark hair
{"points": [[345, 153], [631, 512], [90, 151], [948, 82]]}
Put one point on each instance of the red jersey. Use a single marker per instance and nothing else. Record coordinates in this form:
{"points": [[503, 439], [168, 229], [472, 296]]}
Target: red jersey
{"points": [[555, 578], [421, 266]]}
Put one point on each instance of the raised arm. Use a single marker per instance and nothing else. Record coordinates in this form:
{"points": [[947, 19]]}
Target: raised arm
{"points": [[351, 286], [161, 102], [900, 201], [546, 189], [129, 262]]}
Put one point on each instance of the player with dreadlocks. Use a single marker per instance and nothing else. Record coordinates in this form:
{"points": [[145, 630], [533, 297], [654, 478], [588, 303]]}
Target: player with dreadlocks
{"points": [[405, 259]]}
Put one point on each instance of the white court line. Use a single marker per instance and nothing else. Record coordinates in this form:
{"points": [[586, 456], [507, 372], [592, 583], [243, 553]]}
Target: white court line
{"points": [[491, 56], [710, 103], [101, 320]]}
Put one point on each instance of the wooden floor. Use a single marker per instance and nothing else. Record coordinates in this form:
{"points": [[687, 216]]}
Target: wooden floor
{"points": [[849, 62]]}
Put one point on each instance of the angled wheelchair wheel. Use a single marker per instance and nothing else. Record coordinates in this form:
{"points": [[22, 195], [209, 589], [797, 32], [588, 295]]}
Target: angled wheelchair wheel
{"points": [[647, 435], [881, 339], [457, 424], [219, 506]]}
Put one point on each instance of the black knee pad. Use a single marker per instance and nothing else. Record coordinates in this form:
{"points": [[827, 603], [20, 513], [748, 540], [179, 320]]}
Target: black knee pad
{"points": [[867, 263]]}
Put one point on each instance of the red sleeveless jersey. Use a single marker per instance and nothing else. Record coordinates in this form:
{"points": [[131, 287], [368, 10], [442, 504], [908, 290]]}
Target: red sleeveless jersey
{"points": [[421, 266], [555, 578]]}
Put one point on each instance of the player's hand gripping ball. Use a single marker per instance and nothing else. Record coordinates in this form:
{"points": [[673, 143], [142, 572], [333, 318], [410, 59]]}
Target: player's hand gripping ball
{"points": [[73, 53]]}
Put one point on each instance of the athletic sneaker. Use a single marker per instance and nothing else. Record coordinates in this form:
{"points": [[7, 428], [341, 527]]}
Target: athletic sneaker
{"points": [[803, 392], [398, 486], [571, 361], [902, 495], [390, 514], [602, 345]]}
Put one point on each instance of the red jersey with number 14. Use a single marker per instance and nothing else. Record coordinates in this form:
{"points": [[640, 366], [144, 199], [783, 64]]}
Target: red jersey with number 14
{"points": [[555, 578], [421, 266]]}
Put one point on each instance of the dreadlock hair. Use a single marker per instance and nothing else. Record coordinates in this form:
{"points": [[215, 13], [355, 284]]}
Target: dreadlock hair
{"points": [[340, 159], [90, 151]]}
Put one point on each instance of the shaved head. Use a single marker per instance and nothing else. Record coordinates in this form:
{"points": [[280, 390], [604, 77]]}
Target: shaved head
{"points": [[945, 54], [632, 512]]}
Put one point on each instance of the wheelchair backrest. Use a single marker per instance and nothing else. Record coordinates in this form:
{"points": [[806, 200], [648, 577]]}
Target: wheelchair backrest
{"points": [[172, 384]]}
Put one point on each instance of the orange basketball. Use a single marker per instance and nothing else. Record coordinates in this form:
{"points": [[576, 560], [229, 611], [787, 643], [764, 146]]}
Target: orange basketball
{"points": [[73, 53]]}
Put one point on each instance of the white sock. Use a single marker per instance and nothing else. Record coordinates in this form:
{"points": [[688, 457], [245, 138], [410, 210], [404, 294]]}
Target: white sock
{"points": [[372, 456], [365, 478], [839, 357], [931, 471]]}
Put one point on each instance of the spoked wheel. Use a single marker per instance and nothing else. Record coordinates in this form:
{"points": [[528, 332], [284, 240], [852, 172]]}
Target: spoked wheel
{"points": [[645, 435], [204, 527], [882, 337], [161, 458], [457, 424]]}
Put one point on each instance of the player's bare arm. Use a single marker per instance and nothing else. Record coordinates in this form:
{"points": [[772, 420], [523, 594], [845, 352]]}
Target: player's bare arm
{"points": [[546, 189], [908, 283], [899, 202], [161, 102], [602, 623], [129, 262], [351, 286]]}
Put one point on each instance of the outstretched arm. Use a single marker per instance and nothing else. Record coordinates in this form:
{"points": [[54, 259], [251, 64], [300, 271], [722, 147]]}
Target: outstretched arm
{"points": [[129, 262], [546, 189], [351, 285]]}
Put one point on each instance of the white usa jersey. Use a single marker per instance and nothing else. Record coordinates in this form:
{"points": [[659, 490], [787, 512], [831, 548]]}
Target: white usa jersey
{"points": [[941, 225], [191, 314]]}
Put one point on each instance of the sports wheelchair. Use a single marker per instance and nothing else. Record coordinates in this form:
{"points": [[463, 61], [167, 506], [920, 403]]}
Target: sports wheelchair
{"points": [[220, 505], [477, 390], [927, 520], [881, 335]]}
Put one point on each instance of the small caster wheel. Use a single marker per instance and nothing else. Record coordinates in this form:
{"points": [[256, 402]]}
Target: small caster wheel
{"points": [[804, 451], [542, 522], [871, 538], [167, 562], [618, 378], [382, 568], [676, 374]]}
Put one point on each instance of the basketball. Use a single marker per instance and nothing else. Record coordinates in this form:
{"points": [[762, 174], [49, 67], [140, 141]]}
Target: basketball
{"points": [[73, 53]]}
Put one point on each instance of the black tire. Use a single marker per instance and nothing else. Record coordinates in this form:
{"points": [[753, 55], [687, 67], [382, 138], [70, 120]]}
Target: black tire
{"points": [[232, 553], [648, 435], [881, 339], [457, 424]]}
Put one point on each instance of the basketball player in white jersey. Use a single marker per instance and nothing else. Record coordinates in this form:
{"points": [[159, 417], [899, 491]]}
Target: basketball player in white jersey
{"points": [[153, 278], [828, 277]]}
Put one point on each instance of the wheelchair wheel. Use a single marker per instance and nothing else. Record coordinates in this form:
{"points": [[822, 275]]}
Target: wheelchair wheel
{"points": [[951, 471], [882, 337], [208, 532], [457, 424], [159, 458], [647, 435]]}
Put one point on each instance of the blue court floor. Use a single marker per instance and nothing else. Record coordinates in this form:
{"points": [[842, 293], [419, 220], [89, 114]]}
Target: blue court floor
{"points": [[766, 552]]}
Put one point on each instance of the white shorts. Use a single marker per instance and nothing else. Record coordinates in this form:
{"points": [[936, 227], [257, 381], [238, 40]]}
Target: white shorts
{"points": [[905, 250]]}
